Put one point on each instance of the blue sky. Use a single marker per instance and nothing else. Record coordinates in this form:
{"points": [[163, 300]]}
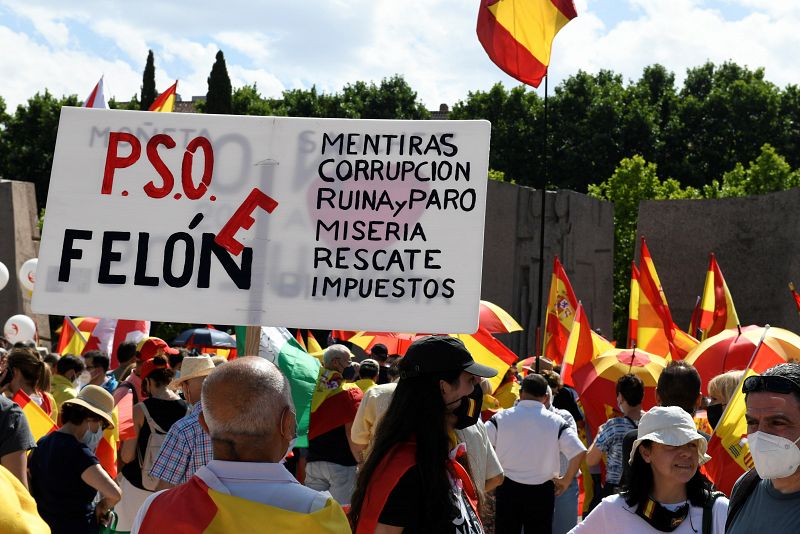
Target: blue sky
{"points": [[67, 46]]}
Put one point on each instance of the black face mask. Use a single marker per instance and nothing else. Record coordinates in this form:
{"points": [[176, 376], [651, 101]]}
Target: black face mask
{"points": [[349, 372], [469, 410], [714, 414], [661, 518]]}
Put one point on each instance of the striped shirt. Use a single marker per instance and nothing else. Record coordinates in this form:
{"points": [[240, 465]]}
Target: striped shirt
{"points": [[186, 449]]}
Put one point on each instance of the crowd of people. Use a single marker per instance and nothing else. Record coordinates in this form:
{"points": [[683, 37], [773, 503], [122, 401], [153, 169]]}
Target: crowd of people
{"points": [[418, 443]]}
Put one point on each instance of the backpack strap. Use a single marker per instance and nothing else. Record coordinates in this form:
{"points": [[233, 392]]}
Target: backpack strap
{"points": [[562, 428], [741, 492], [150, 421], [708, 513]]}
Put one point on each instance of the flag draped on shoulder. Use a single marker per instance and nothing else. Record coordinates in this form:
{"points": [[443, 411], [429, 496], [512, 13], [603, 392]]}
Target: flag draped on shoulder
{"points": [[166, 100], [301, 369], [633, 306], [96, 98], [717, 311], [38, 420], [334, 403], [561, 306], [656, 331], [583, 346], [518, 34]]}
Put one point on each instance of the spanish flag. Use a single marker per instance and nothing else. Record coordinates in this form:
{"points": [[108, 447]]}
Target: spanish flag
{"points": [[299, 337], [561, 305], [717, 310], [39, 422], [633, 306], [583, 346], [313, 345], [518, 34], [166, 100], [333, 404], [656, 331], [490, 351], [74, 334], [194, 507], [106, 451]]}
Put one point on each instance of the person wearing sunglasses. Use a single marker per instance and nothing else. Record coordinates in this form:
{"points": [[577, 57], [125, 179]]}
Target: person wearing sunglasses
{"points": [[769, 495]]}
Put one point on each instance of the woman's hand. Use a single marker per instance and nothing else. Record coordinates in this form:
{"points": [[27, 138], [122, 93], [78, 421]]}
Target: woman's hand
{"points": [[103, 512]]}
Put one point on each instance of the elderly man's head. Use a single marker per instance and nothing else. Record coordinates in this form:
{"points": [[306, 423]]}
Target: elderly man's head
{"points": [[248, 411], [337, 358]]}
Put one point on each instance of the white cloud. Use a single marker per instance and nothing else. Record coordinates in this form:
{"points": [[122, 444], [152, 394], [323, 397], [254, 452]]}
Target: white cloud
{"points": [[432, 43]]}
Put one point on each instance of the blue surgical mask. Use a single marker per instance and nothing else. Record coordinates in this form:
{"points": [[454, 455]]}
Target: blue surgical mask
{"points": [[92, 439]]}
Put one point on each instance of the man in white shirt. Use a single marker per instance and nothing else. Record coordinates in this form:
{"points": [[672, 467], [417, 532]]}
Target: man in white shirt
{"points": [[248, 412], [528, 439]]}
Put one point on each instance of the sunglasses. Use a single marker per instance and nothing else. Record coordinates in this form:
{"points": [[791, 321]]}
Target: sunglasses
{"points": [[773, 384]]}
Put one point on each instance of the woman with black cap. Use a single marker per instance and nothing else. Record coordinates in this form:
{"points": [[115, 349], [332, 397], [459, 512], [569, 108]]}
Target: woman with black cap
{"points": [[415, 480]]}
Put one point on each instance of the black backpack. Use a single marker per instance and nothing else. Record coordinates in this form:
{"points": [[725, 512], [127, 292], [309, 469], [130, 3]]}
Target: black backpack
{"points": [[741, 492]]}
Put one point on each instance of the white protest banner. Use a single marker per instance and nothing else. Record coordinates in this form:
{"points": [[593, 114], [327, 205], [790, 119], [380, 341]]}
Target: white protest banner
{"points": [[313, 223]]}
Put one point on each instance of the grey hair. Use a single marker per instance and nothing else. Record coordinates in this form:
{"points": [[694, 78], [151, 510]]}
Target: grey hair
{"points": [[263, 391], [333, 352]]}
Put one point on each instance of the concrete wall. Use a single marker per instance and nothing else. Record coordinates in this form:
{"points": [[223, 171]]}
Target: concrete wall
{"points": [[578, 229], [757, 244], [19, 242]]}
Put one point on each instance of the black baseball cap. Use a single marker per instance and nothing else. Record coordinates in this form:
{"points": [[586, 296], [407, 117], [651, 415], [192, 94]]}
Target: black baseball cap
{"points": [[439, 354]]}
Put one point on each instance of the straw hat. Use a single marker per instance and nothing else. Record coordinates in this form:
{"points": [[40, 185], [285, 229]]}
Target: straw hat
{"points": [[669, 425], [193, 367], [96, 400]]}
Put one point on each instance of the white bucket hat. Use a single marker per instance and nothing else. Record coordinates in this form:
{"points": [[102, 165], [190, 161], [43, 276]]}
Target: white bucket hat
{"points": [[193, 367], [669, 425]]}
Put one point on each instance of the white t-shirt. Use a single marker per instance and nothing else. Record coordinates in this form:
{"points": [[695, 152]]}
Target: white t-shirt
{"points": [[614, 516]]}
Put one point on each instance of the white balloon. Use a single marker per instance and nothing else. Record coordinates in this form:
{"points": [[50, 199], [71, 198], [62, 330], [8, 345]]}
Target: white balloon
{"points": [[27, 274], [20, 328], [3, 276]]}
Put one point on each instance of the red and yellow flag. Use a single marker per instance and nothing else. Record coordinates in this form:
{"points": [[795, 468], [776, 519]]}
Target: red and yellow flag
{"points": [[795, 295], [561, 306], [518, 34], [717, 311], [74, 334], [166, 100], [313, 344], [194, 507], [656, 331], [333, 403], [730, 455], [40, 423], [633, 306], [583, 346], [490, 351], [106, 451], [299, 337]]}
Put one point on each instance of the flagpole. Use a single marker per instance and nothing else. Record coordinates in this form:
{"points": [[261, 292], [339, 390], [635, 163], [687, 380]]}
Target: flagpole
{"points": [[545, 143]]}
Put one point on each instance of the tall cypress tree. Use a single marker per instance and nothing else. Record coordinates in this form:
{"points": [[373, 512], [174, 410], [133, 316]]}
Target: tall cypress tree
{"points": [[218, 99], [148, 83]]}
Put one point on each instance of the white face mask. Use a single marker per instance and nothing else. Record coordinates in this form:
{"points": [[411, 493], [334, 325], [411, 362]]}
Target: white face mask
{"points": [[92, 439], [83, 379], [774, 456]]}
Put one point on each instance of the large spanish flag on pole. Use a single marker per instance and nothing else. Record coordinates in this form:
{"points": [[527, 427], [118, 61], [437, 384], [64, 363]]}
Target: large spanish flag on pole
{"points": [[166, 100], [656, 331], [583, 346], [717, 311], [561, 306], [518, 34]]}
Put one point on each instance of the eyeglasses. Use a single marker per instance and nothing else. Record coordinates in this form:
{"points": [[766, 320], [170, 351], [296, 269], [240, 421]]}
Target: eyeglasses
{"points": [[772, 383]]}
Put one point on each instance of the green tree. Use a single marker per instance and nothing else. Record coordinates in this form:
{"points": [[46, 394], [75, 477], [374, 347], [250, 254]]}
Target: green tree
{"points": [[633, 181], [392, 99], [30, 135], [4, 142], [768, 173], [218, 99], [248, 101], [148, 90]]}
